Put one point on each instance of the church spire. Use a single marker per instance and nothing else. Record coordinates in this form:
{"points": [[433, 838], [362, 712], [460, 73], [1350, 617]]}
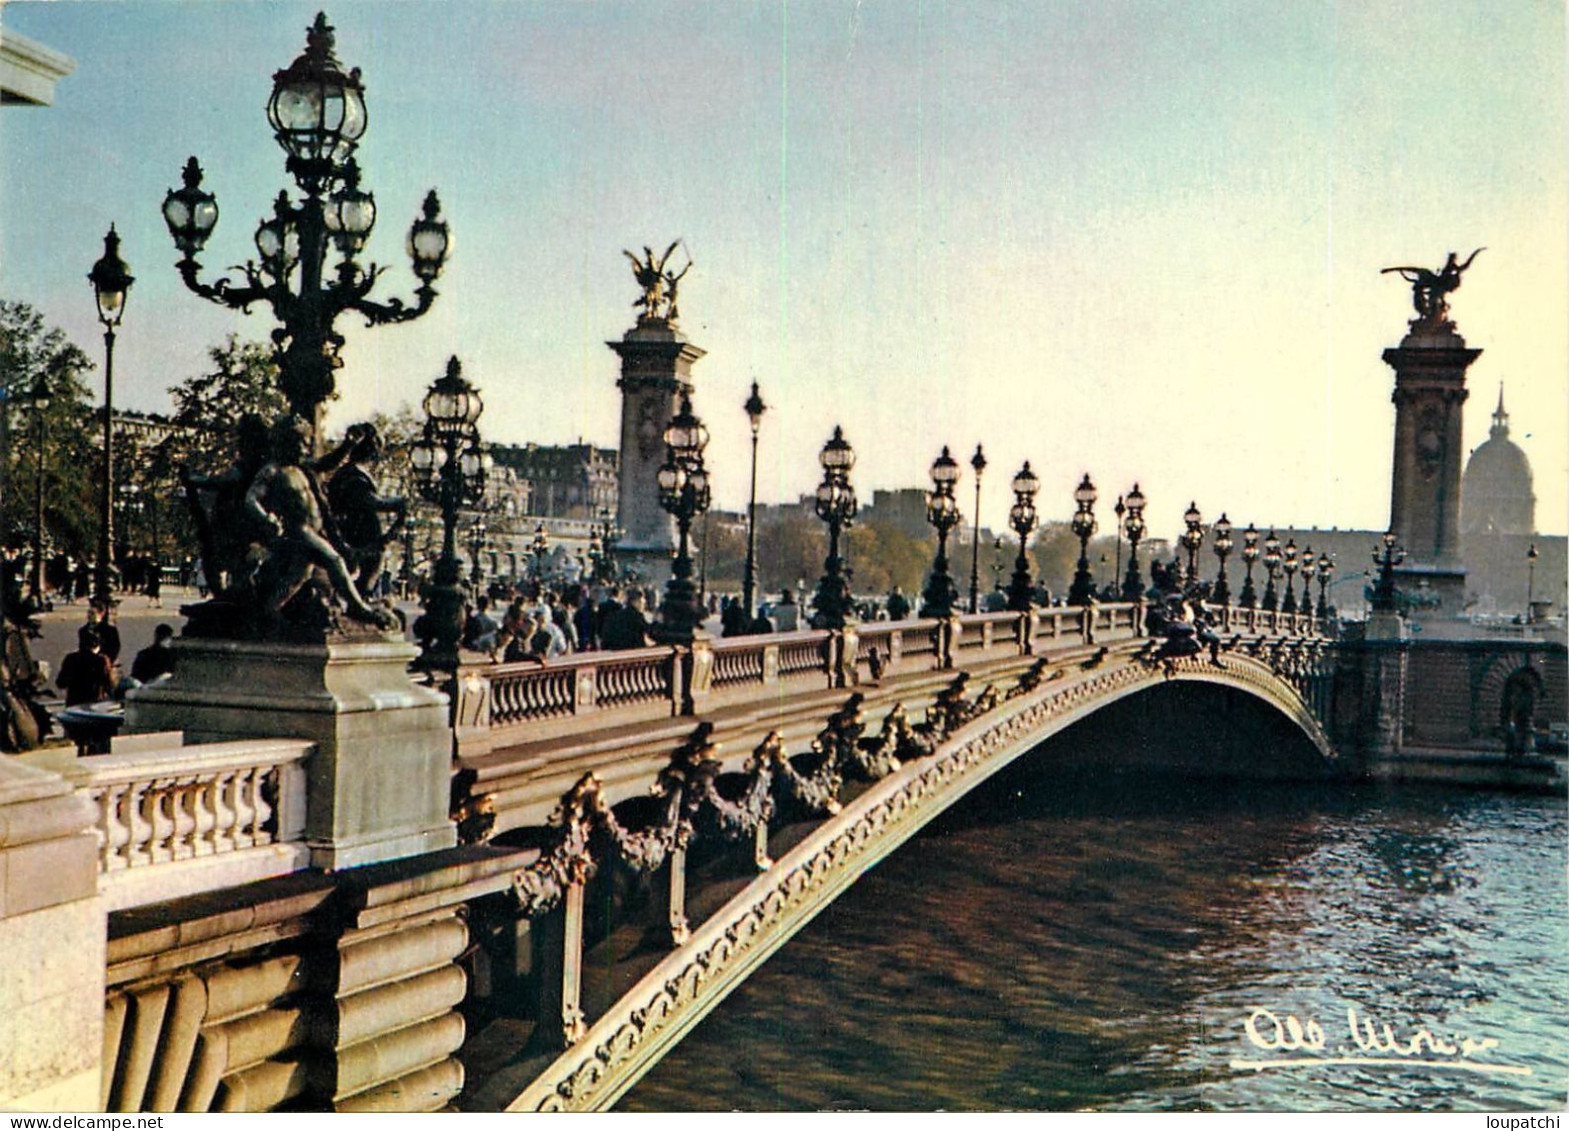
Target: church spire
{"points": [[1500, 428]]}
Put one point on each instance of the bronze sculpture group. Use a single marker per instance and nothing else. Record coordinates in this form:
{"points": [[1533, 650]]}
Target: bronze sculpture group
{"points": [[283, 534]]}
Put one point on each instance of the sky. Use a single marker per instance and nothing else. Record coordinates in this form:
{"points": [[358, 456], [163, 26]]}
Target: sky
{"points": [[1136, 239]]}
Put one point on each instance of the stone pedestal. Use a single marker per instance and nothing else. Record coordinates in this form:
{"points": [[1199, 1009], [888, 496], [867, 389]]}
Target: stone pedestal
{"points": [[52, 937], [656, 368], [378, 783], [1424, 511]]}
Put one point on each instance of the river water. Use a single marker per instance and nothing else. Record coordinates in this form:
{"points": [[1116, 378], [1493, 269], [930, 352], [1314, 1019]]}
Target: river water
{"points": [[1100, 943]]}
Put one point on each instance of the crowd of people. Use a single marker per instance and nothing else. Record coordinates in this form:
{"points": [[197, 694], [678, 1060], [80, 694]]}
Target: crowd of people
{"points": [[540, 622], [92, 673]]}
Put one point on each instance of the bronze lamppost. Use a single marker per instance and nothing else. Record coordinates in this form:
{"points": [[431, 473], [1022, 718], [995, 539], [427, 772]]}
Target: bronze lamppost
{"points": [[1272, 569], [538, 548], [40, 398], [1082, 591], [1133, 526], [111, 284], [940, 594], [317, 111], [755, 408], [1289, 564], [836, 505], [1530, 580], [450, 467], [978, 462], [1249, 598], [1309, 569], [1192, 540], [1021, 517], [1386, 558], [1325, 568], [478, 531], [684, 493], [1222, 533]]}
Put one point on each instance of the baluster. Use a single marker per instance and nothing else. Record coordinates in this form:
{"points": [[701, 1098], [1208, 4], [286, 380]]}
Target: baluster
{"points": [[244, 807], [116, 826], [263, 815], [160, 812], [224, 787], [182, 811], [138, 848], [203, 807]]}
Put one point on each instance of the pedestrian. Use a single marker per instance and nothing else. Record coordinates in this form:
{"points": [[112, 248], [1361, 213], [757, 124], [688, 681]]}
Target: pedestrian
{"points": [[627, 627], [155, 660], [98, 617], [86, 675]]}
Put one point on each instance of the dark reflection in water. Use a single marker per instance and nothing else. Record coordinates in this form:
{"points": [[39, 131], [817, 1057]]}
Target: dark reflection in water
{"points": [[1099, 944]]}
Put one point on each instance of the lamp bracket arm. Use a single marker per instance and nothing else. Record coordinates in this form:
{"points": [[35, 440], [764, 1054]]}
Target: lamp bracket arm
{"points": [[223, 292]]}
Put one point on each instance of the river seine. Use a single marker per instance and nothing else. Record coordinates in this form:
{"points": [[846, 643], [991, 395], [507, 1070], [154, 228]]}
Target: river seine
{"points": [[1134, 944]]}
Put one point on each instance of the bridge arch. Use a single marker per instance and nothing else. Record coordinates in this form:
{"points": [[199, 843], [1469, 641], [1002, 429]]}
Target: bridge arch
{"points": [[688, 983]]}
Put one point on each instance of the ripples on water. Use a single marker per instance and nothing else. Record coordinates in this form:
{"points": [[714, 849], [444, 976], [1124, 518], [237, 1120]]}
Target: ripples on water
{"points": [[1099, 945]]}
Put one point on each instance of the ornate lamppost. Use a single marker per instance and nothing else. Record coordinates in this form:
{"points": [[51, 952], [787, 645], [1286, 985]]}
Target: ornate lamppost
{"points": [[1325, 568], [450, 467], [317, 112], [1289, 564], [755, 408], [1249, 598], [411, 526], [1309, 569], [1021, 517], [607, 544], [1082, 591], [1272, 569], [40, 398], [1530, 580], [978, 462], [1192, 540], [1223, 544], [111, 285], [836, 505], [477, 534], [1116, 571], [538, 548], [1386, 558], [684, 493], [1133, 526], [940, 594]]}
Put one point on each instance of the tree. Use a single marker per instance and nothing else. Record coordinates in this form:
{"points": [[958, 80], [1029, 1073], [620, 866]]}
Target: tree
{"points": [[35, 356]]}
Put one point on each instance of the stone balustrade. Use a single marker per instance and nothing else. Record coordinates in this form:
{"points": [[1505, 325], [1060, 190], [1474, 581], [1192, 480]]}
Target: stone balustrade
{"points": [[179, 819], [597, 690]]}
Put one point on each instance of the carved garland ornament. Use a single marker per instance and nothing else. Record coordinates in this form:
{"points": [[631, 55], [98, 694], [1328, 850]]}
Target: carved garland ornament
{"points": [[592, 1071]]}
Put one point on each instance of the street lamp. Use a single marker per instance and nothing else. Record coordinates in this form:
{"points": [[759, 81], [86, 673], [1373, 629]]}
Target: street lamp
{"points": [[538, 548], [1133, 526], [755, 408], [1021, 517], [111, 285], [1249, 597], [1325, 568], [411, 527], [1223, 544], [1386, 558], [940, 594], [1272, 568], [477, 532], [978, 462], [1289, 605], [1192, 540], [40, 398], [836, 505], [1309, 569], [450, 467], [1082, 591], [684, 493], [1530, 580], [317, 112]]}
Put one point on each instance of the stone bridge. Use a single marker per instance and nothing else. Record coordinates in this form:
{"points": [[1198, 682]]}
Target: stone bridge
{"points": [[637, 832]]}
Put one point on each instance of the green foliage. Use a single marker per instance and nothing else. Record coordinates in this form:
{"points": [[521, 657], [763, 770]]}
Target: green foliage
{"points": [[882, 555], [208, 406], [38, 357]]}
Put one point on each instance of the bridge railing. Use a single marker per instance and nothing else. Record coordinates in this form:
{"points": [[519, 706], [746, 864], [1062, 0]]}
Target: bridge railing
{"points": [[176, 819], [501, 703]]}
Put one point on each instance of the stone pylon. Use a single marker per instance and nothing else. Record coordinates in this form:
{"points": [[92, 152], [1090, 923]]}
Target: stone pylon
{"points": [[1430, 369], [656, 368]]}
